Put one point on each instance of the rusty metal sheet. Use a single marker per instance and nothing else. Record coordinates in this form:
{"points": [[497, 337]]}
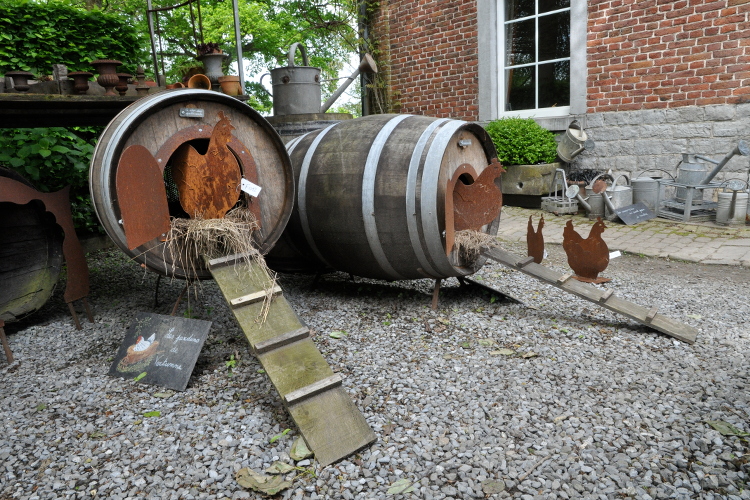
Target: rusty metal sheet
{"points": [[208, 184], [57, 203], [589, 256], [479, 202], [535, 241], [141, 196]]}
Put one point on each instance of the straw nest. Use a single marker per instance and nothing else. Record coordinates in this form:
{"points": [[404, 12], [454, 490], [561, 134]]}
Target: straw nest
{"points": [[199, 240], [469, 244]]}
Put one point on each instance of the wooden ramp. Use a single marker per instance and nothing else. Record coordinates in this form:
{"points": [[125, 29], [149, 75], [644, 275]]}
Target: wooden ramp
{"points": [[326, 417], [603, 298]]}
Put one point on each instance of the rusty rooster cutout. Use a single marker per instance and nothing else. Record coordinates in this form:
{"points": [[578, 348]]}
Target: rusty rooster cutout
{"points": [[587, 257], [535, 241], [208, 184]]}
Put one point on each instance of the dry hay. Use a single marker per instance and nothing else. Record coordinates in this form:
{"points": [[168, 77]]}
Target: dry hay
{"points": [[468, 244], [198, 240]]}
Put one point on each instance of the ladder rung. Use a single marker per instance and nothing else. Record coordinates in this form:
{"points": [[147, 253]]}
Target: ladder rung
{"points": [[228, 260], [525, 262], [282, 340], [253, 297], [606, 295], [651, 314], [313, 389], [562, 279]]}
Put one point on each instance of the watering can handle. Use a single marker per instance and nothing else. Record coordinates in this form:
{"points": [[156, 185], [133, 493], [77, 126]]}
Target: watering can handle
{"points": [[627, 179], [260, 81], [656, 170], [293, 49]]}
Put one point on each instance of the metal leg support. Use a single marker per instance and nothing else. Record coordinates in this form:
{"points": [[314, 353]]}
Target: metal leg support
{"points": [[436, 294], [4, 340]]}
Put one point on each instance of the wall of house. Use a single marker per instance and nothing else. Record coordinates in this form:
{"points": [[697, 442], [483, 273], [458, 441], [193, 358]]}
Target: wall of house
{"points": [[659, 54], [663, 77], [428, 52]]}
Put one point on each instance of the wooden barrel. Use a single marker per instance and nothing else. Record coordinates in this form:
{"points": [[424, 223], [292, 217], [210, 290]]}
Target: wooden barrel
{"points": [[375, 194], [163, 122], [30, 256]]}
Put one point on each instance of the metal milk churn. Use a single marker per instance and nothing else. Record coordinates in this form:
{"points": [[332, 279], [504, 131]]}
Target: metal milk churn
{"points": [[296, 89]]}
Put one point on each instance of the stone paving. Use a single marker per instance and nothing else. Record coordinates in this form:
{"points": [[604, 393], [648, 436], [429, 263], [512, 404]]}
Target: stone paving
{"points": [[705, 242]]}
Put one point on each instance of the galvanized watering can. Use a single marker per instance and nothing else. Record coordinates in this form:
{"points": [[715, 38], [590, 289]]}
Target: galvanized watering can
{"points": [[573, 142], [296, 89]]}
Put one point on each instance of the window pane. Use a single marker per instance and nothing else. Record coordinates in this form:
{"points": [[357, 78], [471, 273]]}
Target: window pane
{"points": [[519, 42], [548, 5], [554, 36], [520, 90], [554, 84], [516, 9]]}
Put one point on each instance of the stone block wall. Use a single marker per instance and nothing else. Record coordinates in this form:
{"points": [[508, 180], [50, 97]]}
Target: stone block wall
{"points": [[634, 141]]}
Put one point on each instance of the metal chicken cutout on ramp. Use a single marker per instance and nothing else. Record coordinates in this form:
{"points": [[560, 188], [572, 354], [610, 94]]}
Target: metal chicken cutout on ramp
{"points": [[603, 298], [326, 417]]}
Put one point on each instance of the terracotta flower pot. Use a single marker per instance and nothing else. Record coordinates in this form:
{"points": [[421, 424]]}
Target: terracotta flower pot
{"points": [[199, 82], [230, 85], [122, 84], [107, 69], [80, 80], [177, 85], [20, 79]]}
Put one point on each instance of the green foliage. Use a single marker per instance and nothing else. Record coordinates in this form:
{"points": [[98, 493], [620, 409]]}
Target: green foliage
{"points": [[52, 158], [522, 141], [34, 36]]}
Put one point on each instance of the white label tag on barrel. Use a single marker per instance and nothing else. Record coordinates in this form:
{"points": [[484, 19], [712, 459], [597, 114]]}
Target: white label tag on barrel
{"points": [[192, 113], [250, 188]]}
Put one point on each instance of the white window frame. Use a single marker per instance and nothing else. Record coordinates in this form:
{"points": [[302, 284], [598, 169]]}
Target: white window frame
{"points": [[491, 42], [501, 69]]}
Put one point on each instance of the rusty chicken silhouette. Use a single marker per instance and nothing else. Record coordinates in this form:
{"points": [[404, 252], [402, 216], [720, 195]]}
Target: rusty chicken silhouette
{"points": [[209, 184], [587, 257]]}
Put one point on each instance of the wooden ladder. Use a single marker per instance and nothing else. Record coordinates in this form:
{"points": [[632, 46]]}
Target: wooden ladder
{"points": [[326, 417], [603, 298]]}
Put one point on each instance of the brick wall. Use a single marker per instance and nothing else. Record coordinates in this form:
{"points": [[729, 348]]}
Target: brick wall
{"points": [[428, 50], [646, 54]]}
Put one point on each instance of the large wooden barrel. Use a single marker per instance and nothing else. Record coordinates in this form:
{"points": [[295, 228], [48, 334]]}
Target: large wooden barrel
{"points": [[30, 256], [374, 197], [163, 122]]}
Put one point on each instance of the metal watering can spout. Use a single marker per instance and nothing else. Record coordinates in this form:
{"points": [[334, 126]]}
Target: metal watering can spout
{"points": [[367, 65], [741, 148]]}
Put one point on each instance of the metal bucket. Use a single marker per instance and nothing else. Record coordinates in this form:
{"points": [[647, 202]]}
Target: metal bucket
{"points": [[691, 172], [296, 89], [596, 202], [728, 212], [573, 142], [646, 189]]}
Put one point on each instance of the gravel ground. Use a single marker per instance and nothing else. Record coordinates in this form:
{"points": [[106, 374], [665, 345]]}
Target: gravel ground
{"points": [[551, 398]]}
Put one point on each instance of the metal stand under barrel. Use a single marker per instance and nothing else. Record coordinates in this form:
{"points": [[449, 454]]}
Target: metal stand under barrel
{"points": [[4, 340]]}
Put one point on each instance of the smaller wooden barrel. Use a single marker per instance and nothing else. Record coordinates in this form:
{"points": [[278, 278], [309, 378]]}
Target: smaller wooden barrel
{"points": [[154, 128], [375, 197], [30, 256]]}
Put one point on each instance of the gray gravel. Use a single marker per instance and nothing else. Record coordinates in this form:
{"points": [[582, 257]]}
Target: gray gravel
{"points": [[590, 405]]}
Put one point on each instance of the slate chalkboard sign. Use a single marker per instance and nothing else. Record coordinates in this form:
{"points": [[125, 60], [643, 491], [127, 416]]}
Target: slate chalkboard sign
{"points": [[633, 214], [160, 350]]}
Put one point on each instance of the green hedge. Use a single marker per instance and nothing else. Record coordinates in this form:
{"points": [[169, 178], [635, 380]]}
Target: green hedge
{"points": [[35, 36], [522, 141]]}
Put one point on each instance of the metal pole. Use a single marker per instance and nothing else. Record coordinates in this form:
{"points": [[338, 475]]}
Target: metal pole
{"points": [[238, 40], [153, 46]]}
